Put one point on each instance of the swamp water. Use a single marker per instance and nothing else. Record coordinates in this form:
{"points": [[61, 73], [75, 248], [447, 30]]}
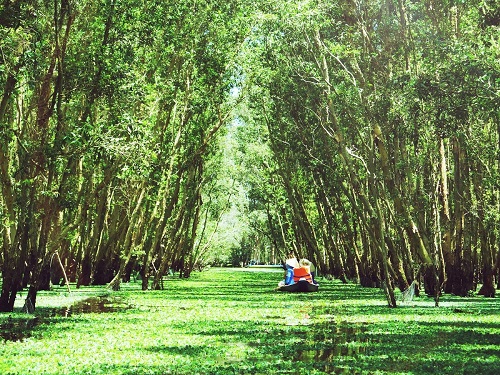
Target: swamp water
{"points": [[19, 329], [333, 341]]}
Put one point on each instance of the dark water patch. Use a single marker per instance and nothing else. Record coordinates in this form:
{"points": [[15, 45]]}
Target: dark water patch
{"points": [[96, 305], [19, 328]]}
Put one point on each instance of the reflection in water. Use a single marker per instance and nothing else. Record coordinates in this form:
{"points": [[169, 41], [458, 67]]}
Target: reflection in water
{"points": [[19, 329], [90, 305], [330, 343]]}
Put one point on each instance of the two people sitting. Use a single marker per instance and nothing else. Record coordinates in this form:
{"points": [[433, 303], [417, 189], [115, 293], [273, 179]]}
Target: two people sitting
{"points": [[296, 271]]}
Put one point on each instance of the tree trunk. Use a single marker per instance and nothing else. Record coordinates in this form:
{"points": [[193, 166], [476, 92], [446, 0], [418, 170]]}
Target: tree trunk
{"points": [[134, 223], [444, 218], [411, 227], [95, 251], [11, 277], [485, 232], [487, 269], [458, 275]]}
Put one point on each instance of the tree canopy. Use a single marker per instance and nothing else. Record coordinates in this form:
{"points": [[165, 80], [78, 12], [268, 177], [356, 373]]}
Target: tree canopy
{"points": [[148, 136]]}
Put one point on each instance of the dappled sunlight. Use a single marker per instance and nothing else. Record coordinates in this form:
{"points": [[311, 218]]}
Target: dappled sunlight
{"points": [[226, 322]]}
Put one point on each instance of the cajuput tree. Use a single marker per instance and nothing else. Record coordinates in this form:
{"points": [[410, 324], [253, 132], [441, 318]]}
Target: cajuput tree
{"points": [[110, 111], [380, 105]]}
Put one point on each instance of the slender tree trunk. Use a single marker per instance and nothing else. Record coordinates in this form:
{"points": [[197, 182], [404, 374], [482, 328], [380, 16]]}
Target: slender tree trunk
{"points": [[11, 277], [48, 96], [495, 246], [134, 223], [156, 248], [458, 275], [485, 232], [444, 217], [94, 252], [116, 227], [402, 210]]}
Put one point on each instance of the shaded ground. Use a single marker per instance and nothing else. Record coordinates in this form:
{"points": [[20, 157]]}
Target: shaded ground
{"points": [[227, 321]]}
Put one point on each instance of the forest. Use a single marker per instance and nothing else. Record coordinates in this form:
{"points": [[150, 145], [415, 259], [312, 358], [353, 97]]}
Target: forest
{"points": [[140, 137]]}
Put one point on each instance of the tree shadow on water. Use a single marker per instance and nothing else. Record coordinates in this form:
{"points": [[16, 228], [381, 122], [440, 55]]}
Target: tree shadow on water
{"points": [[277, 349], [21, 327]]}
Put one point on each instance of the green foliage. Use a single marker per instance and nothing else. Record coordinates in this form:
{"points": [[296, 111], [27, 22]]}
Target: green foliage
{"points": [[134, 95], [326, 77], [227, 321], [183, 131]]}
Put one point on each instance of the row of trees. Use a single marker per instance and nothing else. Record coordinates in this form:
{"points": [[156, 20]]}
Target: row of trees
{"points": [[109, 118], [383, 120], [363, 134]]}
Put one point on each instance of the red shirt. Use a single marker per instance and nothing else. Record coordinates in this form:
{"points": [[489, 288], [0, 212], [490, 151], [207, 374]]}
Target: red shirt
{"points": [[302, 273]]}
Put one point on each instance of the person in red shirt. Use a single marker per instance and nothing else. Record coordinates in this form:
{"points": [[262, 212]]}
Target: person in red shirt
{"points": [[303, 272]]}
